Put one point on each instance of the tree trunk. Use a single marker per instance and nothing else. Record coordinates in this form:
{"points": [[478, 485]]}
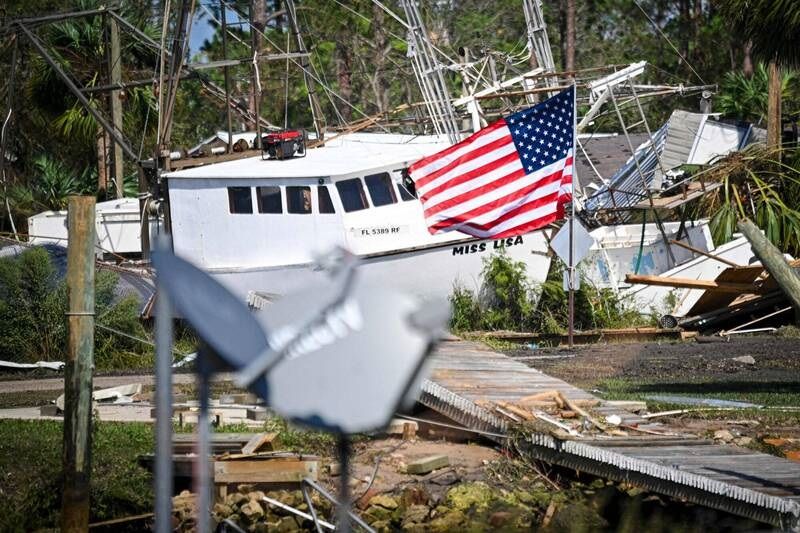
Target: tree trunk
{"points": [[343, 57], [747, 61], [686, 21], [774, 126], [569, 49], [101, 152], [562, 32], [696, 26], [773, 260], [382, 48]]}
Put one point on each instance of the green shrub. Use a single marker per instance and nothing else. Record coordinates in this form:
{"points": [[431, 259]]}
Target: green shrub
{"points": [[33, 323], [466, 311], [507, 300]]}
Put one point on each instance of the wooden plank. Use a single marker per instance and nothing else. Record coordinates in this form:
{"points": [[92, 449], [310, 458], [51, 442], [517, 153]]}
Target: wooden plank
{"points": [[261, 441], [689, 283], [428, 464], [265, 471]]}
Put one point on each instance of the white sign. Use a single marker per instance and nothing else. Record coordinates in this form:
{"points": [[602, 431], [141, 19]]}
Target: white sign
{"points": [[582, 243]]}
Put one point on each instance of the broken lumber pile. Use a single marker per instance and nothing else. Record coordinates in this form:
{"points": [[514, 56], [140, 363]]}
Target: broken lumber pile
{"points": [[566, 418]]}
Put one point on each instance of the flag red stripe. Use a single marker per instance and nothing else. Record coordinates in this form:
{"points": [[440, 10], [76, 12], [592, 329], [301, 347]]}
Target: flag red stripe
{"points": [[472, 174], [466, 158], [516, 195], [447, 151], [500, 182], [526, 227]]}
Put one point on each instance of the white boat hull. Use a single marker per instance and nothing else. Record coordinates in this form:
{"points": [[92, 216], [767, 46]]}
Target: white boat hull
{"points": [[429, 272]]}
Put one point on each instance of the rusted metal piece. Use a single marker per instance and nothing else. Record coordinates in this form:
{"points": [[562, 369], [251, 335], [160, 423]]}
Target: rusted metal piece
{"points": [[78, 369]]}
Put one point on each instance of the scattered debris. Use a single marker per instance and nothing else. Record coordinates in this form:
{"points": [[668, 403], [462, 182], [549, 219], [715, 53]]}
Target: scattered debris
{"points": [[710, 402], [49, 365], [746, 359], [428, 464], [261, 441], [633, 406], [724, 435], [111, 393]]}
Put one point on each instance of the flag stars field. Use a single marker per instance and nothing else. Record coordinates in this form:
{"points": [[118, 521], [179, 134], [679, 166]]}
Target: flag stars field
{"points": [[512, 177]]}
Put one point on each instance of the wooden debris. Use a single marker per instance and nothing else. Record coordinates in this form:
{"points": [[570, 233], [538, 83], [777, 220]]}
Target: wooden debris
{"points": [[261, 442], [633, 406], [428, 464], [575, 407], [257, 413], [773, 260], [184, 443], [265, 470], [562, 427], [518, 411], [689, 283], [409, 431]]}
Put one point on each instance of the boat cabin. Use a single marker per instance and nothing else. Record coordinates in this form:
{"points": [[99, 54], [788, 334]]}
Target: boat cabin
{"points": [[255, 212]]}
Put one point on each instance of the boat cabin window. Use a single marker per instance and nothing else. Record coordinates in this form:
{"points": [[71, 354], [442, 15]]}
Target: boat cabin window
{"points": [[298, 200], [269, 200], [352, 194], [380, 189], [324, 200], [240, 200]]}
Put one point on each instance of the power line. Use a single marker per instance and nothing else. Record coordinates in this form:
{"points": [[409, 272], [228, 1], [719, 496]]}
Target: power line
{"points": [[669, 42]]}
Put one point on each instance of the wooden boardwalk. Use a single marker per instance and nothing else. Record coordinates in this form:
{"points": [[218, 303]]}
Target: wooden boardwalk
{"points": [[738, 480]]}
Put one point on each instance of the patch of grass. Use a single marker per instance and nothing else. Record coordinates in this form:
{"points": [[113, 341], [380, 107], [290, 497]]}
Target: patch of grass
{"points": [[789, 332], [30, 460], [301, 440], [772, 395]]}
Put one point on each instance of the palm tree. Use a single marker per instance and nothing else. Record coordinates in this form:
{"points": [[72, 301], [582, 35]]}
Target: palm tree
{"points": [[744, 97], [79, 46], [773, 27]]}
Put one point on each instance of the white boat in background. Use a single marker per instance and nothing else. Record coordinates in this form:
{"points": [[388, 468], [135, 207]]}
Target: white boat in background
{"points": [[257, 225], [118, 227], [616, 251], [678, 301]]}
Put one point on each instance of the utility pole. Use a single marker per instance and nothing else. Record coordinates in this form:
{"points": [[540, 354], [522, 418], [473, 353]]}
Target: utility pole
{"points": [[115, 70], [78, 369]]}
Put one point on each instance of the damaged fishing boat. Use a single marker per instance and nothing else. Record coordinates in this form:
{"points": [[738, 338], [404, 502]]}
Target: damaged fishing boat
{"points": [[256, 224]]}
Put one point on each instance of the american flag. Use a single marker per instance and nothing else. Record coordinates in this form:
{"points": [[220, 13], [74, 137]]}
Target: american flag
{"points": [[512, 177]]}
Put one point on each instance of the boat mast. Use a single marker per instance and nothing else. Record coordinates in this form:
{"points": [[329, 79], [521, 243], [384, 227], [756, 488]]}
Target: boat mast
{"points": [[428, 71], [316, 110], [538, 42]]}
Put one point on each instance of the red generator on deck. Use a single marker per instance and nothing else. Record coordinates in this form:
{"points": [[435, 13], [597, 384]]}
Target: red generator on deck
{"points": [[284, 144]]}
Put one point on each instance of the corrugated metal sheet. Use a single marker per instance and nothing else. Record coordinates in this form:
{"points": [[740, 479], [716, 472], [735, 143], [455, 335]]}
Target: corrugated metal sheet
{"points": [[683, 130], [675, 142], [625, 187]]}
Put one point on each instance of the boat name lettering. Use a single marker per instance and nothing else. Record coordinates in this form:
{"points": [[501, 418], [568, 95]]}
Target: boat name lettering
{"points": [[482, 246]]}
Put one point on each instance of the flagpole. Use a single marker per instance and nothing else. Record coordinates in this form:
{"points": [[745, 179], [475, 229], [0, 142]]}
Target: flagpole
{"points": [[571, 265]]}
